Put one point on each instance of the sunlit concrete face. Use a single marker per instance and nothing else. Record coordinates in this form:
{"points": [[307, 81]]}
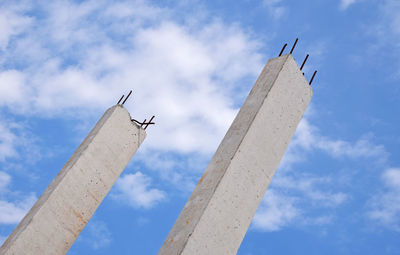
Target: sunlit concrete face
{"points": [[64, 209], [222, 205]]}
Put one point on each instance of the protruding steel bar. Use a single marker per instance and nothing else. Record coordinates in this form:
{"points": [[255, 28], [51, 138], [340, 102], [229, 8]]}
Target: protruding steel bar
{"points": [[305, 60], [143, 123], [140, 123], [119, 101], [294, 45], [130, 92], [312, 78], [284, 46], [148, 123]]}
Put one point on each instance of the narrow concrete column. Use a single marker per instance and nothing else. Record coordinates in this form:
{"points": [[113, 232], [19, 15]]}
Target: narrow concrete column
{"points": [[65, 207], [222, 205]]}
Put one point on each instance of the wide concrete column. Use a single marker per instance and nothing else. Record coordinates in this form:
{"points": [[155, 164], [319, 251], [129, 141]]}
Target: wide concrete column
{"points": [[222, 205], [65, 207]]}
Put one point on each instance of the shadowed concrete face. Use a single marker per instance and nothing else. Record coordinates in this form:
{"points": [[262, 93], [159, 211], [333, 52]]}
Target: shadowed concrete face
{"points": [[64, 209], [221, 207]]}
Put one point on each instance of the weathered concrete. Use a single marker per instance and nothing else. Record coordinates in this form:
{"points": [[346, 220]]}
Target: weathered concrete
{"points": [[63, 210], [221, 207]]}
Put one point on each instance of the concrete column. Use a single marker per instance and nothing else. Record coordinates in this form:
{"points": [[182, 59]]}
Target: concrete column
{"points": [[65, 207], [222, 205]]}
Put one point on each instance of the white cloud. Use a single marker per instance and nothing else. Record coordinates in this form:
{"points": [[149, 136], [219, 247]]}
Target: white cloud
{"points": [[344, 4], [384, 207], [275, 212], [179, 72], [391, 18], [5, 179], [275, 8], [391, 178], [15, 138], [309, 138], [13, 212], [134, 190], [295, 195], [311, 192], [181, 171], [383, 35], [8, 142], [97, 235], [12, 92], [312, 188], [12, 23]]}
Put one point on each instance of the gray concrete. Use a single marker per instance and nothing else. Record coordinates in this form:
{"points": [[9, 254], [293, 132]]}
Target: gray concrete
{"points": [[221, 207], [65, 207]]}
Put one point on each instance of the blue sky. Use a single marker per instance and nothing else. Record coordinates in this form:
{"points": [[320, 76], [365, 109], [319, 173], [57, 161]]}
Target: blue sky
{"points": [[192, 63]]}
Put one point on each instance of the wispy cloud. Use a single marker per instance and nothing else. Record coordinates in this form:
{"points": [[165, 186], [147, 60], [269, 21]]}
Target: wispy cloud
{"points": [[98, 235], [275, 212], [134, 190], [8, 142], [344, 4], [291, 199], [5, 180], [309, 138], [275, 8], [384, 30], [312, 188], [12, 23], [179, 72], [384, 207], [302, 192], [16, 139], [181, 171], [390, 9], [12, 90], [13, 212]]}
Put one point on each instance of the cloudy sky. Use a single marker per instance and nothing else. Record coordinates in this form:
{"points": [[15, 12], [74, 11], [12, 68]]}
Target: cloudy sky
{"points": [[192, 63]]}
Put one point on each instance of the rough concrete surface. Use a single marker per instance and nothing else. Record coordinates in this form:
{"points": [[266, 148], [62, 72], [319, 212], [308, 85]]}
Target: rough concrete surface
{"points": [[65, 207], [222, 205]]}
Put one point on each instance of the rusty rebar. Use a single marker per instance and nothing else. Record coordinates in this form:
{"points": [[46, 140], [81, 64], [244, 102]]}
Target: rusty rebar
{"points": [[130, 92], [120, 99], [284, 46], [312, 78], [305, 60], [294, 45], [149, 123]]}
